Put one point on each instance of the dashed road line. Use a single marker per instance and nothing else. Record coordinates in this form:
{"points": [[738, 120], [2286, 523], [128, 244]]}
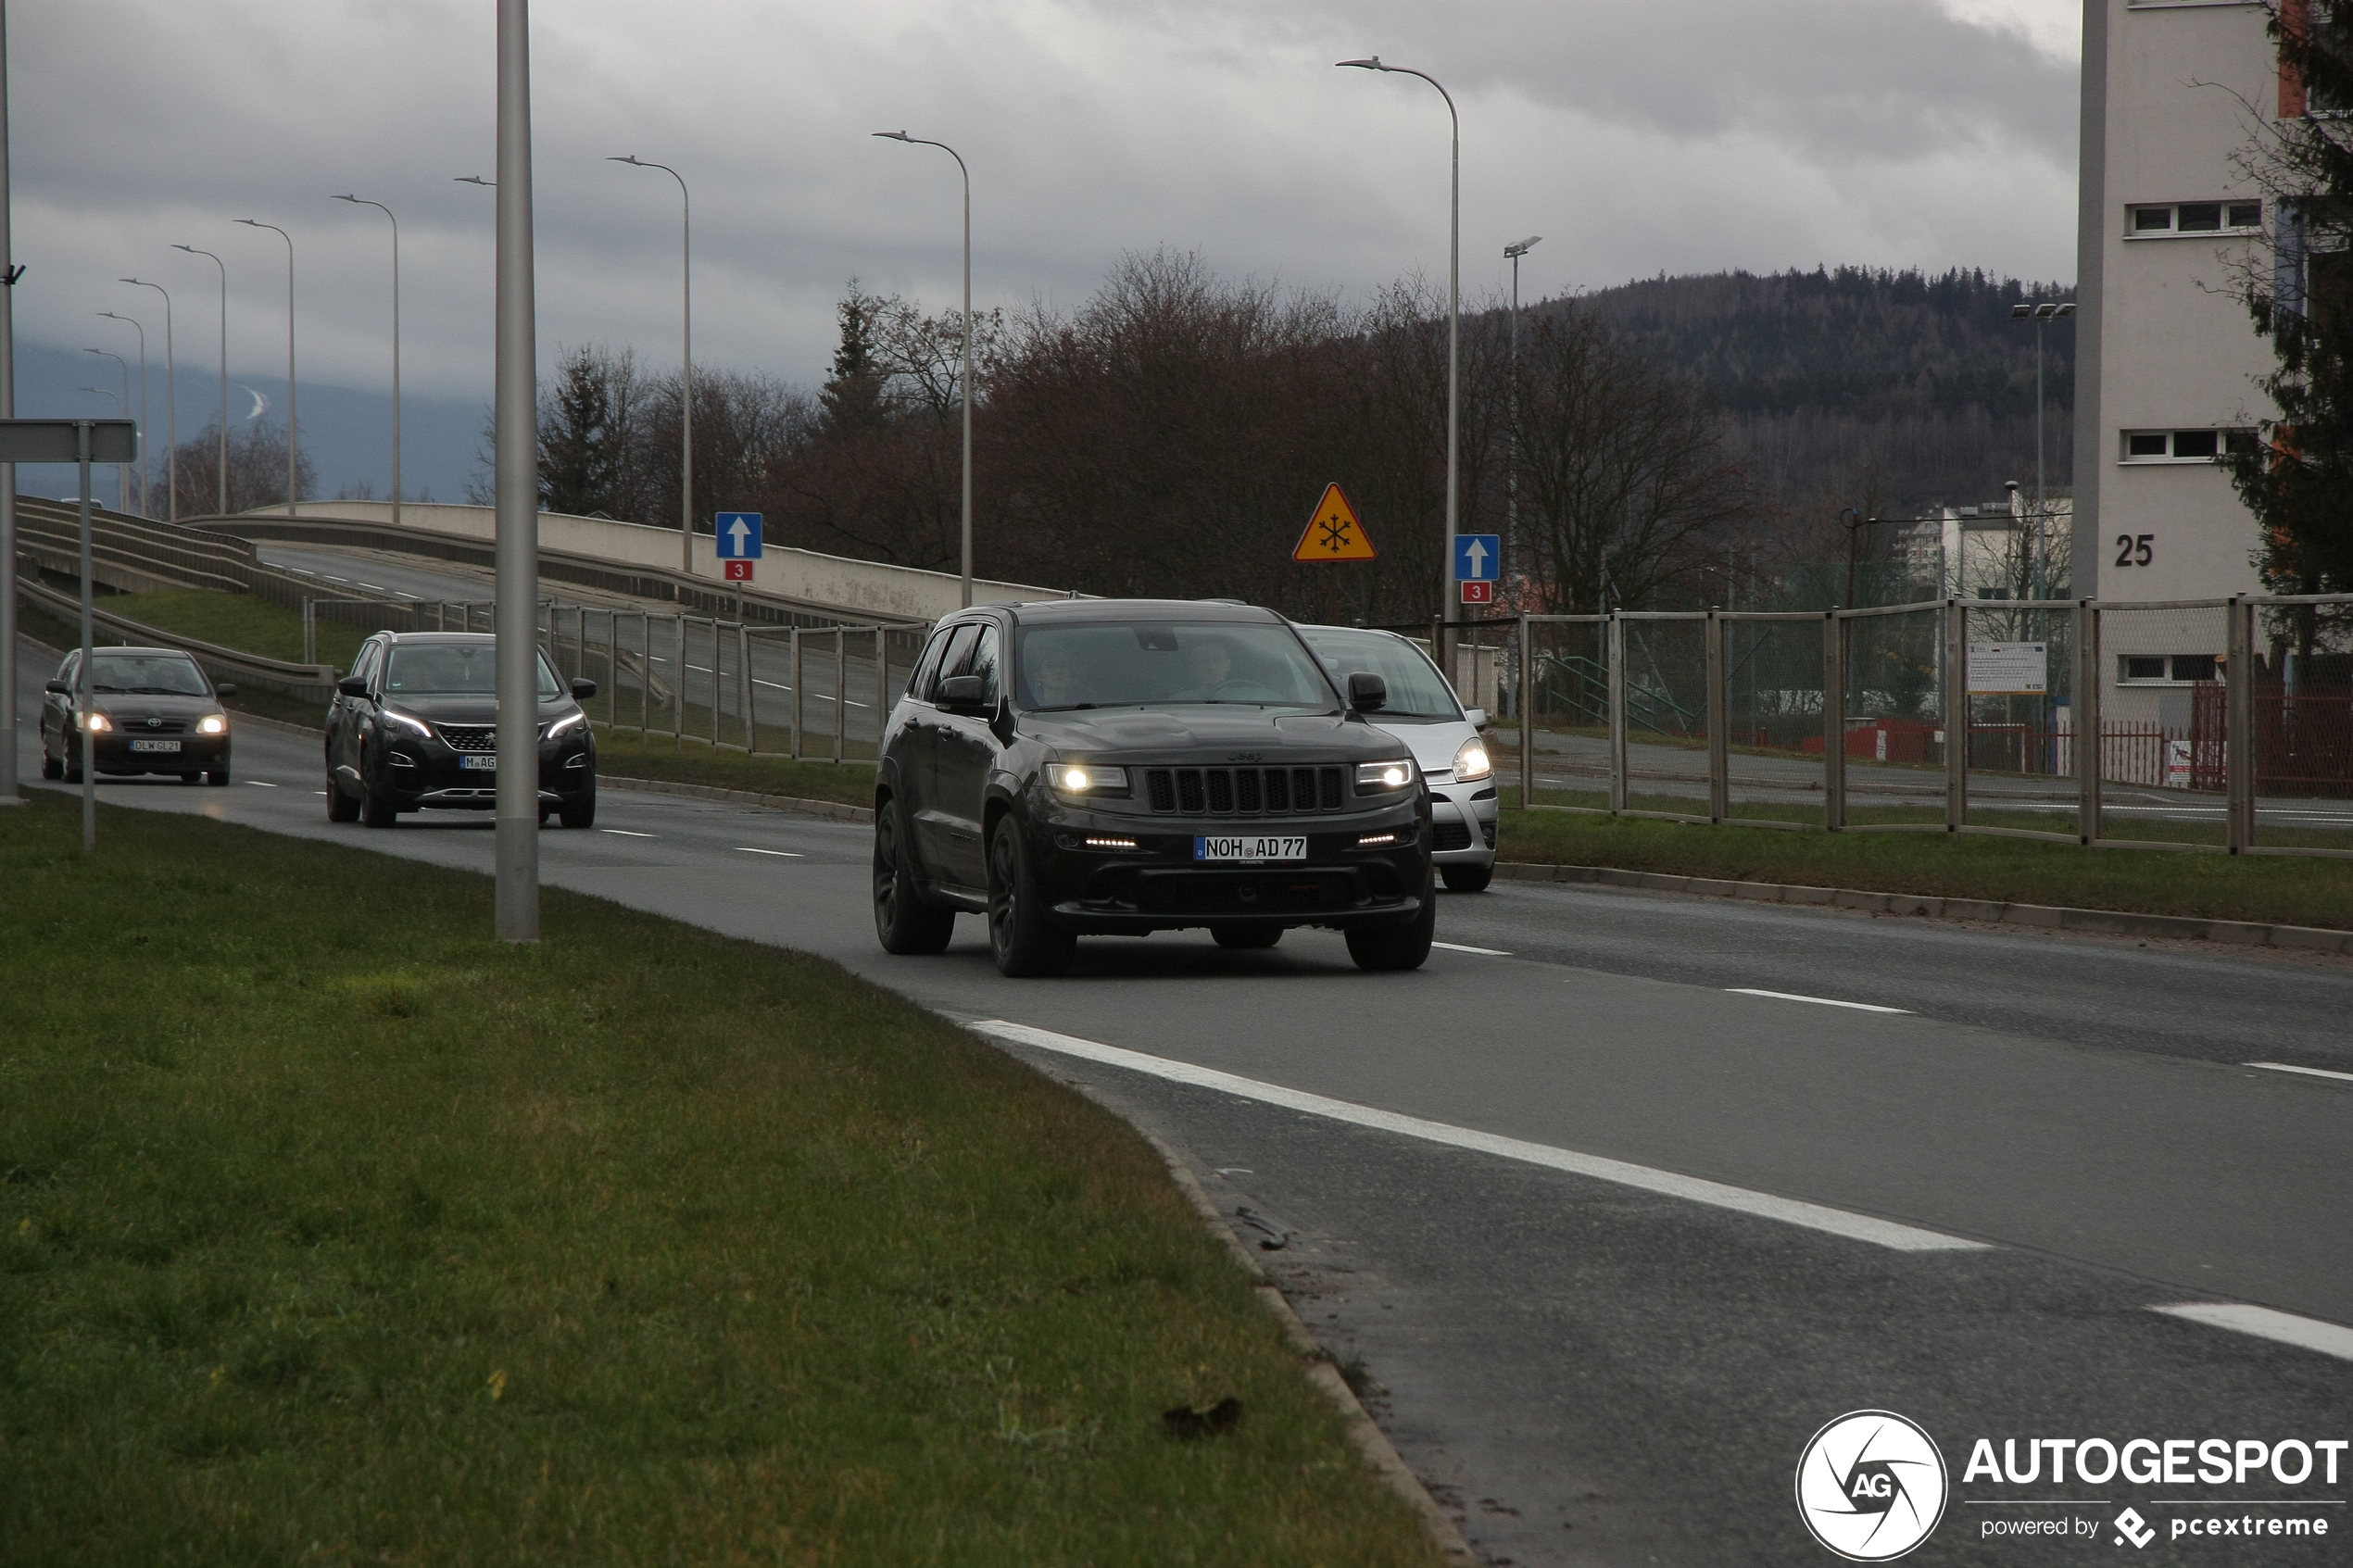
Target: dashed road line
{"points": [[2307, 1072], [785, 854], [1465, 947], [624, 833], [1813, 1216], [1817, 1001], [2286, 1328], [261, 784]]}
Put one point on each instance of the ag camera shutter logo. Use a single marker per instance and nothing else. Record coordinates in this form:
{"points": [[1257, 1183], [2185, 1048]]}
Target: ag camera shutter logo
{"points": [[1871, 1486]]}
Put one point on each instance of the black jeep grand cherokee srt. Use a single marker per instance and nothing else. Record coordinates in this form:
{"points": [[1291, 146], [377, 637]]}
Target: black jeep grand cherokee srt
{"points": [[1120, 765]]}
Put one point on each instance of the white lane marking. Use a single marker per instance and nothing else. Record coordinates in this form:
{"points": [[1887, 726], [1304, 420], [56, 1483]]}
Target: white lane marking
{"points": [[1817, 1001], [626, 832], [1790, 1211], [786, 854], [2309, 1333], [376, 587], [261, 784], [318, 792], [333, 578], [1461, 948], [2310, 1072]]}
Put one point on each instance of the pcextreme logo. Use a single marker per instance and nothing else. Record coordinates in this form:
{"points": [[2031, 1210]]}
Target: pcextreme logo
{"points": [[1871, 1486]]}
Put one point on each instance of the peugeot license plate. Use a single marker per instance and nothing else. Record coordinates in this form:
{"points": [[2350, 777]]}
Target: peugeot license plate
{"points": [[166, 748], [1254, 850], [479, 761]]}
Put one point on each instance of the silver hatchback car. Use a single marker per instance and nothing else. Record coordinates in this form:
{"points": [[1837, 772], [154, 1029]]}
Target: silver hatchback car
{"points": [[1423, 712]]}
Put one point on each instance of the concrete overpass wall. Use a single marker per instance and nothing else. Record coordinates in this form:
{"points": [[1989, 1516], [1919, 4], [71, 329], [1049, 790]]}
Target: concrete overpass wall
{"points": [[861, 587]]}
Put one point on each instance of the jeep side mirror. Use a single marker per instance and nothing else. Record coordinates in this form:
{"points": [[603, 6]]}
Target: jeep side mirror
{"points": [[353, 686], [226, 688], [1474, 717], [583, 689], [58, 688], [1367, 693], [962, 692]]}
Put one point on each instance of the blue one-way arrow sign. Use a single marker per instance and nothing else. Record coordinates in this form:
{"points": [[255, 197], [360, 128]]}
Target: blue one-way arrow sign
{"points": [[738, 535], [1479, 557]]}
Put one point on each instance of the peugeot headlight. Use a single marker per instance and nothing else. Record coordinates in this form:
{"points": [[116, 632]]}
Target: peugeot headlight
{"points": [[416, 726], [1374, 777], [1471, 763], [1086, 778], [97, 723], [213, 724], [569, 722]]}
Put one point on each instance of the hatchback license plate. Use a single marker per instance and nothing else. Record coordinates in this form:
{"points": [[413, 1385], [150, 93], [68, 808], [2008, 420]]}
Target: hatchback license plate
{"points": [[480, 763], [1260, 849], [168, 747]]}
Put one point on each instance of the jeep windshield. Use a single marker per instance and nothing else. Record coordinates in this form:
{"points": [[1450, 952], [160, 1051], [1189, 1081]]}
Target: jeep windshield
{"points": [[1162, 663]]}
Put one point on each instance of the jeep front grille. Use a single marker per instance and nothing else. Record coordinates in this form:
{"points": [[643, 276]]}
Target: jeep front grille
{"points": [[1245, 792]]}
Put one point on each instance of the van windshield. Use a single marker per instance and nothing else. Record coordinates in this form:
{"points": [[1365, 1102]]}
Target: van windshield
{"points": [[1158, 663]]}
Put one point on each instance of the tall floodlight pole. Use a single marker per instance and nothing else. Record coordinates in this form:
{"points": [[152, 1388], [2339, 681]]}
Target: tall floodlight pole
{"points": [[146, 502], [515, 445], [364, 201], [687, 404], [1511, 477], [293, 424], [224, 370], [9, 274], [1448, 594], [2042, 315], [967, 173], [171, 407]]}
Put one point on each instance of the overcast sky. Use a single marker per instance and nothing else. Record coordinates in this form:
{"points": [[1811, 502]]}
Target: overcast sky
{"points": [[1637, 136]]}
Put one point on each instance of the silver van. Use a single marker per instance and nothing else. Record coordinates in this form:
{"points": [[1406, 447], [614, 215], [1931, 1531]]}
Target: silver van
{"points": [[1423, 712]]}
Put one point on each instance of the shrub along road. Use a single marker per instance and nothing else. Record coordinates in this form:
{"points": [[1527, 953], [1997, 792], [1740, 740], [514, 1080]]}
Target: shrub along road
{"points": [[1965, 1210]]}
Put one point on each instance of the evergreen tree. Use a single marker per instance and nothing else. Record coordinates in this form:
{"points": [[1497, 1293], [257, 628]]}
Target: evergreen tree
{"points": [[853, 402]]}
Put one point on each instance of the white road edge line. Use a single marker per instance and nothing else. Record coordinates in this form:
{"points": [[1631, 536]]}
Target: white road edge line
{"points": [[2307, 1333], [1813, 1216], [2308, 1071], [626, 832], [1464, 948], [786, 854], [1817, 1001], [261, 784]]}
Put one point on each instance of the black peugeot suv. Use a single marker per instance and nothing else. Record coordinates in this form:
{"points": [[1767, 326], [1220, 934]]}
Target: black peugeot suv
{"points": [[415, 726], [1117, 767]]}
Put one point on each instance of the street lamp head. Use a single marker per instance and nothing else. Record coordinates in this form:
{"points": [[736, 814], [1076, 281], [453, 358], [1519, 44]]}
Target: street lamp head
{"points": [[2066, 310], [631, 158], [1371, 62], [189, 249], [249, 222], [1513, 252], [893, 135], [2020, 312], [474, 179], [343, 198]]}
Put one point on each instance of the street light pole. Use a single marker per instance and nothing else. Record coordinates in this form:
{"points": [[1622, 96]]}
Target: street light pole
{"points": [[122, 410], [2042, 315], [1447, 592], [1511, 475], [293, 425], [224, 371], [170, 406], [515, 444], [921, 141], [364, 201], [686, 403], [147, 501]]}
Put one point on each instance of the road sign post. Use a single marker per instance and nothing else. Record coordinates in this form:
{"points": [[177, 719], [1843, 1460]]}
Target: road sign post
{"points": [[737, 538], [1334, 534]]}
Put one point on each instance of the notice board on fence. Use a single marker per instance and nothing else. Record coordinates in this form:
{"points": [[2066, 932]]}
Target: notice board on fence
{"points": [[2009, 669]]}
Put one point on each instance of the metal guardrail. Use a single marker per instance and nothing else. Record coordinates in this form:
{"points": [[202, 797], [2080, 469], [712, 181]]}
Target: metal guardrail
{"points": [[316, 681]]}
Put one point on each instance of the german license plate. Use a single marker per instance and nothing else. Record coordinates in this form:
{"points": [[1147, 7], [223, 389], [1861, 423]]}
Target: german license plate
{"points": [[479, 763], [164, 748], [1249, 850]]}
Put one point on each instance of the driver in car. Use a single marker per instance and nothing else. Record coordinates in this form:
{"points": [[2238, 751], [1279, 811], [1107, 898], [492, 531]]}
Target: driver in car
{"points": [[1055, 680], [1211, 664]]}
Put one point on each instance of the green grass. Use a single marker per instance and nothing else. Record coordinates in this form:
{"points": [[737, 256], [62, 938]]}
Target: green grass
{"points": [[333, 1231], [2292, 892], [623, 755]]}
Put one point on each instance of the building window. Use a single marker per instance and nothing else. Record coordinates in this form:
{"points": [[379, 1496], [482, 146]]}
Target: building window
{"points": [[2193, 219], [2165, 669], [2184, 445]]}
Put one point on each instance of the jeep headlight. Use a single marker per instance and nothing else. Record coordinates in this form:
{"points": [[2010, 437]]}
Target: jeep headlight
{"points": [[1471, 761], [1372, 778], [1085, 778]]}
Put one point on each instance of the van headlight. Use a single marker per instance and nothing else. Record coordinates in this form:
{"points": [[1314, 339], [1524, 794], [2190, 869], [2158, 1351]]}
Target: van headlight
{"points": [[1085, 778], [1471, 761], [1372, 778]]}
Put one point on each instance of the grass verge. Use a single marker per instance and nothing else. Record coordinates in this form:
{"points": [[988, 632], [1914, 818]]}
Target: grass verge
{"points": [[2291, 892], [621, 755], [331, 1230]]}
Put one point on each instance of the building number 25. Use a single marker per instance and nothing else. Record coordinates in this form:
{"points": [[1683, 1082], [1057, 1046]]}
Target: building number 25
{"points": [[2133, 551]]}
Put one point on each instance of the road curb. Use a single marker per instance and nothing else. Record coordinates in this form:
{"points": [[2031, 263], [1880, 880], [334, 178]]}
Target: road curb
{"points": [[1363, 1430], [2109, 923], [834, 808]]}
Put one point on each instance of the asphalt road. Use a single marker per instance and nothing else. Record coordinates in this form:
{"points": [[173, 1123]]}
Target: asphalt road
{"points": [[1612, 1237]]}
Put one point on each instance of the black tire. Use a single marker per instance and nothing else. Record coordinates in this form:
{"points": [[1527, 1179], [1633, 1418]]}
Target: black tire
{"points": [[374, 812], [903, 921], [217, 778], [191, 778], [72, 763], [1246, 936], [1467, 879], [341, 808], [1390, 947], [1021, 936], [52, 767], [580, 812]]}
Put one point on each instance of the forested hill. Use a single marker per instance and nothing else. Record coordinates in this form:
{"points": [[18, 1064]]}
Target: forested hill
{"points": [[1832, 380]]}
